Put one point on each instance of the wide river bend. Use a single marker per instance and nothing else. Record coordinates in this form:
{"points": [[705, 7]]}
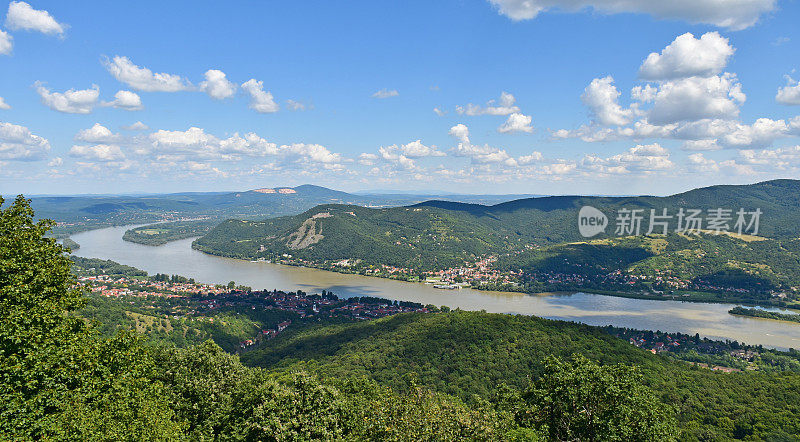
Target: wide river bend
{"points": [[178, 257]]}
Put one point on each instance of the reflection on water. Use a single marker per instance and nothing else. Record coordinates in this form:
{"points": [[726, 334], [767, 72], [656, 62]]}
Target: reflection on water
{"points": [[711, 320]]}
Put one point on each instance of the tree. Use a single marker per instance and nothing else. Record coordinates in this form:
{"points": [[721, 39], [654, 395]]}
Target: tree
{"points": [[57, 380], [578, 399]]}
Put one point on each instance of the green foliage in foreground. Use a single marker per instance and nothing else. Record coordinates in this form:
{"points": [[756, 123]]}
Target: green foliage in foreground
{"points": [[62, 381], [470, 353]]}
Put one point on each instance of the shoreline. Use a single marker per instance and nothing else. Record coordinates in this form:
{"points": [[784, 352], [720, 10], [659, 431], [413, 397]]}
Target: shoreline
{"points": [[619, 294]]}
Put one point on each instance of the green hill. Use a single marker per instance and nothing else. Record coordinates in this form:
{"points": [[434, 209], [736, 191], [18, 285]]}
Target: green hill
{"points": [[540, 235], [472, 353]]}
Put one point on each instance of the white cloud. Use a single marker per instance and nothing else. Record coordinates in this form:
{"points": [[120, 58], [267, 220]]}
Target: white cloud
{"points": [[217, 86], [315, 153], [4, 105], [696, 98], [560, 168], [143, 79], [391, 155], [698, 145], [478, 154], [367, 159], [296, 105], [530, 159], [55, 162], [699, 163], [100, 152], [18, 143], [687, 56], [601, 98], [781, 159], [385, 93], [97, 134], [136, 126], [416, 149], [197, 145], [761, 133], [126, 100], [741, 15], [505, 106], [70, 102], [6, 43], [641, 158], [789, 94], [516, 122], [460, 132], [260, 101], [22, 17], [439, 112]]}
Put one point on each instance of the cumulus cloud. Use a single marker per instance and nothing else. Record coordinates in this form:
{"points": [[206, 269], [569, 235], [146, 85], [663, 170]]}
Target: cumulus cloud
{"points": [[416, 149], [70, 102], [6, 43], [763, 132], [143, 79], [485, 154], [697, 145], [697, 162], [136, 126], [217, 86], [687, 56], [4, 105], [789, 94], [18, 143], [460, 132], [260, 101], [530, 159], [401, 153], [126, 100], [99, 152], [385, 93], [367, 159], [601, 97], [642, 158], [743, 14], [197, 145], [505, 106], [391, 155], [22, 17], [55, 162], [696, 98], [97, 134], [439, 112], [783, 158], [516, 122]]}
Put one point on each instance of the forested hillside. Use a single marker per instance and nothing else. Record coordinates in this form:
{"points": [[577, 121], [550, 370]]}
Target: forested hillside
{"points": [[455, 230], [466, 353], [539, 237]]}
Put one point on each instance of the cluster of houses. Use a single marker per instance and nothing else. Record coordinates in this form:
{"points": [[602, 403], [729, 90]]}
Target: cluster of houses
{"points": [[116, 286]]}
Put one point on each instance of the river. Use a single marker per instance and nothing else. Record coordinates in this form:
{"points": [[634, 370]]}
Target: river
{"points": [[178, 257]]}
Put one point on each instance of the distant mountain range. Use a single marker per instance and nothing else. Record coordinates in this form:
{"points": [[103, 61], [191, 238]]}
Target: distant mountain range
{"points": [[252, 204]]}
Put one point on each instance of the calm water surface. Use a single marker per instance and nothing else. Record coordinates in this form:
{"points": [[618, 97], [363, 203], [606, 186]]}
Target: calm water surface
{"points": [[710, 320]]}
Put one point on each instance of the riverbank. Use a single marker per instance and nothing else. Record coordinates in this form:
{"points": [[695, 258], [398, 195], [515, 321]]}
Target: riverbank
{"points": [[757, 313], [687, 296]]}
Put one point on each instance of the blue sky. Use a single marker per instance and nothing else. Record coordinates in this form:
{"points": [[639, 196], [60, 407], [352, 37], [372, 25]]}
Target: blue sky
{"points": [[535, 96]]}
